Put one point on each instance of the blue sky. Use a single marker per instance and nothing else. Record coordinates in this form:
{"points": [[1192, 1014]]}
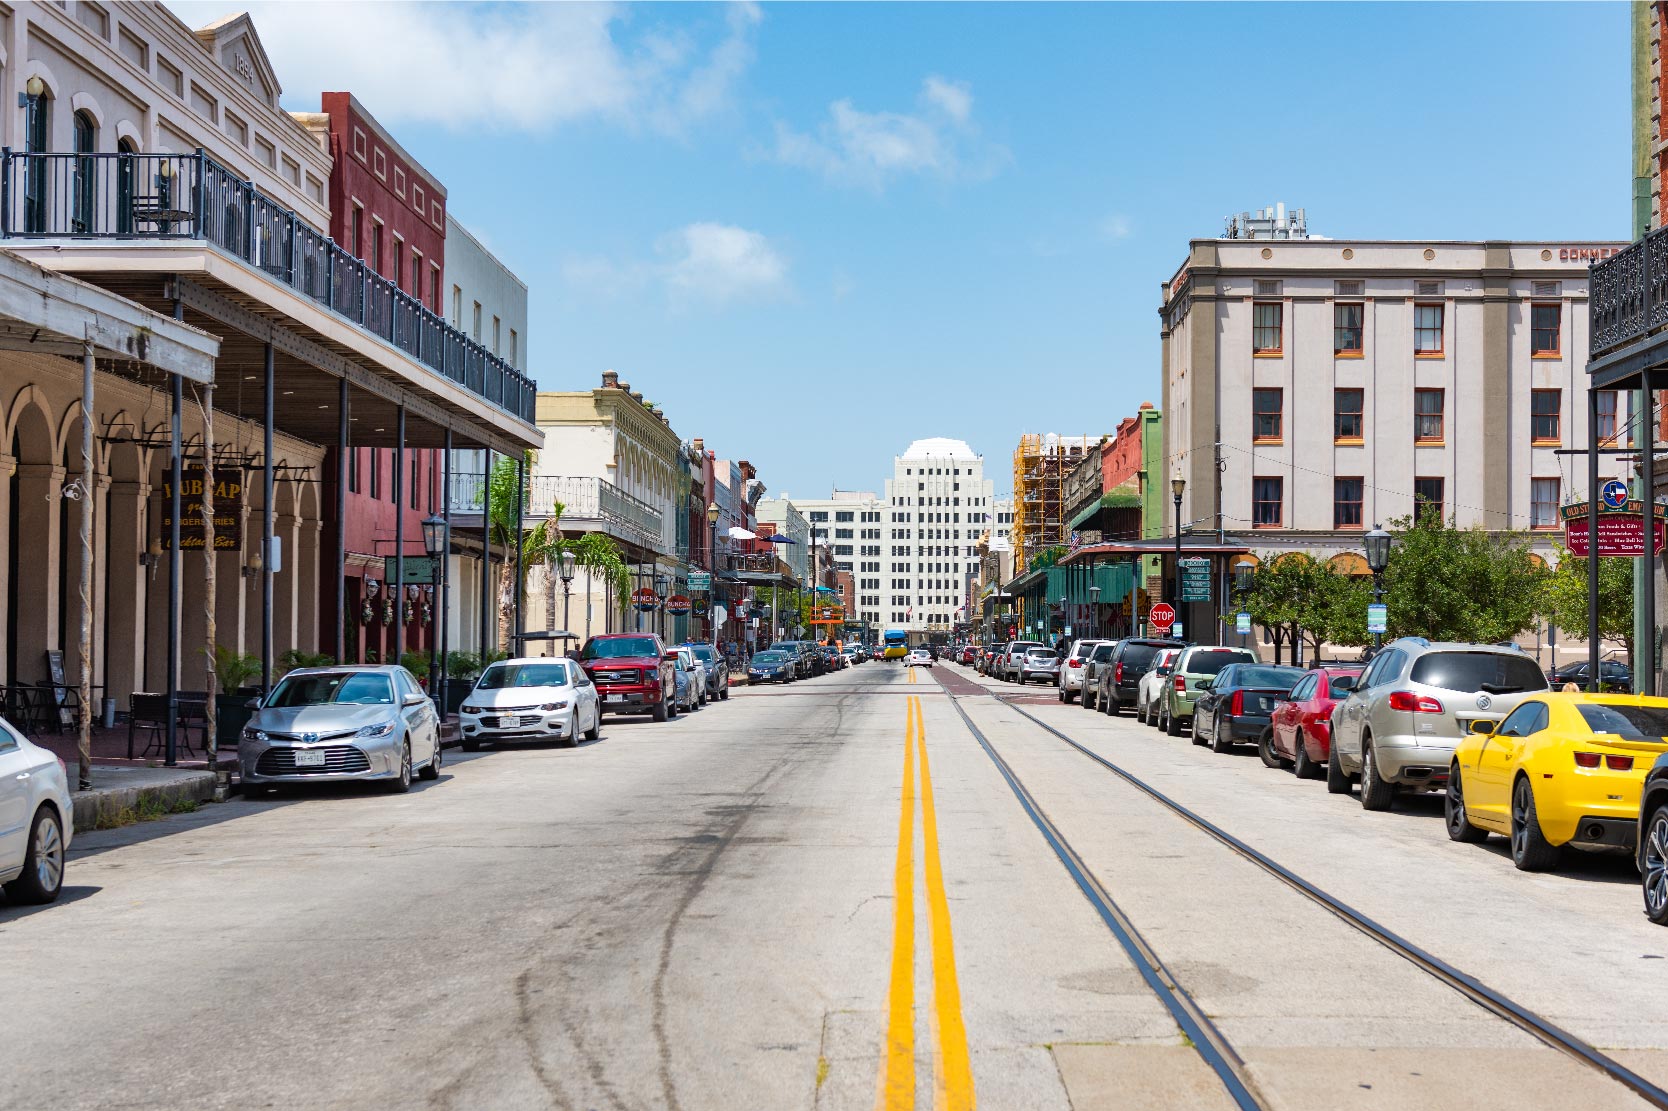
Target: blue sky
{"points": [[813, 233]]}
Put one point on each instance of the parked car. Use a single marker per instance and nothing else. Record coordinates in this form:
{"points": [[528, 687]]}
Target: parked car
{"points": [[1403, 717], [1040, 665], [1009, 659], [37, 819], [1559, 770], [718, 669], [1302, 725], [1072, 667], [918, 657], [967, 655], [1192, 672], [796, 650], [697, 677], [1238, 706], [1099, 659], [631, 673], [877, 652], [1614, 675], [771, 666], [1652, 838], [1150, 685], [1119, 681], [534, 699], [324, 724]]}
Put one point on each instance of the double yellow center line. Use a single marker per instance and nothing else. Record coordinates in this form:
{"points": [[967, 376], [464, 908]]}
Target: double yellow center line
{"points": [[953, 1079]]}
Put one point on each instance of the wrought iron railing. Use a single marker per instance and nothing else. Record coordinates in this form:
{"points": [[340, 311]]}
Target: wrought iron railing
{"points": [[191, 196], [587, 498], [1627, 294]]}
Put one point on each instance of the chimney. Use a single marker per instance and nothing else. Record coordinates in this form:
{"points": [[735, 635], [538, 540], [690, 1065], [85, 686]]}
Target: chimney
{"points": [[637, 397], [610, 380], [700, 447]]}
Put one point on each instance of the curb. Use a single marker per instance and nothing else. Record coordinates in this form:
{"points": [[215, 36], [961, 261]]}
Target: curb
{"points": [[106, 803]]}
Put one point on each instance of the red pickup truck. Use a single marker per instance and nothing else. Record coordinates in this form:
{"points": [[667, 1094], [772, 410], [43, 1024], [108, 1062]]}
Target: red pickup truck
{"points": [[631, 673]]}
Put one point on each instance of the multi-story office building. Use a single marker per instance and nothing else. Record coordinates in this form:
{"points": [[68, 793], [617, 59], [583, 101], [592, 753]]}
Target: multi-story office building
{"points": [[938, 504], [1315, 387], [853, 522]]}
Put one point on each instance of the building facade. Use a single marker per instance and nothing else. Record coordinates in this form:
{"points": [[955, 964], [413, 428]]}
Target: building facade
{"points": [[854, 524], [1315, 387], [938, 504]]}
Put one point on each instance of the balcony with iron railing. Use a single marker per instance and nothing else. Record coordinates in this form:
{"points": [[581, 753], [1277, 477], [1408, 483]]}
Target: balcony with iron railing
{"points": [[170, 197], [588, 504]]}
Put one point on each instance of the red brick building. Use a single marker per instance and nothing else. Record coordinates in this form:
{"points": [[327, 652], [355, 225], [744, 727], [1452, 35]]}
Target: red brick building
{"points": [[391, 213]]}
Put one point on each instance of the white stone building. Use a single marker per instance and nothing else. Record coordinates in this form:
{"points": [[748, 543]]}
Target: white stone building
{"points": [[938, 504], [853, 523]]}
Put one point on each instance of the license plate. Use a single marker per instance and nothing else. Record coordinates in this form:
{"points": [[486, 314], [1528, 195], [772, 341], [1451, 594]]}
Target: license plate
{"points": [[1265, 703], [616, 698], [309, 758]]}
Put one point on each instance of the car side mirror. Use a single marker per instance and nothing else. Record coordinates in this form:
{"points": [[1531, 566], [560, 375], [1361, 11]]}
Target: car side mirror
{"points": [[414, 700], [1344, 684], [672, 656], [1482, 727], [252, 704]]}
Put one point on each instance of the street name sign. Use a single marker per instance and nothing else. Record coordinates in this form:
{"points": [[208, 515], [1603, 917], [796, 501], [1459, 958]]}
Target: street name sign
{"points": [[1195, 579], [700, 580]]}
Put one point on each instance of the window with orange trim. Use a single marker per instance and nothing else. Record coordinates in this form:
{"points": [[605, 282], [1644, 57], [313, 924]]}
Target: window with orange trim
{"points": [[1428, 416], [1346, 328], [1346, 502], [1346, 415], [1545, 416], [1546, 329], [1268, 498], [1543, 503], [1267, 423], [1427, 498], [1427, 329], [1605, 401], [1267, 327]]}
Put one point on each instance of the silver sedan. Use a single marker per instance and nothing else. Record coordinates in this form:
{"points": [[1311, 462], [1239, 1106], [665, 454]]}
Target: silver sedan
{"points": [[325, 724], [535, 699]]}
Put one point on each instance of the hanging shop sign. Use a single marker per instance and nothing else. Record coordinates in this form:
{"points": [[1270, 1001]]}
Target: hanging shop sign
{"points": [[700, 580], [1621, 529], [698, 607], [228, 509], [677, 605], [645, 599], [418, 569]]}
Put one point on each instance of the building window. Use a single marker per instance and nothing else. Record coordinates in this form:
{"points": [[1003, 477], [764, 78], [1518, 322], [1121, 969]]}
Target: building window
{"points": [[1545, 326], [376, 475], [514, 349], [1266, 328], [1346, 416], [1266, 423], [399, 261], [475, 323], [1267, 502], [416, 479], [1427, 498], [376, 246], [1543, 503], [1427, 416], [457, 307], [1346, 502], [496, 350], [1544, 420], [1427, 329], [1346, 329], [353, 469], [417, 273], [85, 198], [1605, 400]]}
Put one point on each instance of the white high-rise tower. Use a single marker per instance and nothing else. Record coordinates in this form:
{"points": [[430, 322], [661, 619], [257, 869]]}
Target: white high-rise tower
{"points": [[938, 503]]}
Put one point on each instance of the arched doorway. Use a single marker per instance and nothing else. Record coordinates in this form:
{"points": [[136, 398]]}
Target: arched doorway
{"points": [[84, 198], [37, 107], [33, 541], [127, 170]]}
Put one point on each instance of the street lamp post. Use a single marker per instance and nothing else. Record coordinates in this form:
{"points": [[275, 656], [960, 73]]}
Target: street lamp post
{"points": [[1177, 486], [712, 570], [1243, 570], [1094, 611], [1377, 543], [434, 543], [568, 559], [660, 606]]}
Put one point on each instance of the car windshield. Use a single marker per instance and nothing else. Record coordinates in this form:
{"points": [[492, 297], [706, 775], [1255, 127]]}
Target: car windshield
{"points": [[1209, 663], [770, 657], [1631, 723], [355, 688], [704, 652], [785, 646], [502, 676], [617, 647], [1494, 672], [1103, 652], [1274, 678], [1040, 654]]}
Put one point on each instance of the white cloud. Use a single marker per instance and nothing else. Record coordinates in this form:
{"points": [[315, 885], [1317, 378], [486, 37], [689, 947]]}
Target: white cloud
{"points": [[1115, 227], [512, 67], [706, 263], [863, 148]]}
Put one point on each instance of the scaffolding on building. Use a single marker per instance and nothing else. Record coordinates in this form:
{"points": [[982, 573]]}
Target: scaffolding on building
{"points": [[1041, 463]]}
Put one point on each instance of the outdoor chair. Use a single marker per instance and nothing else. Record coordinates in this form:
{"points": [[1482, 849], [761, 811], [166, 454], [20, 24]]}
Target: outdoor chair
{"points": [[148, 712]]}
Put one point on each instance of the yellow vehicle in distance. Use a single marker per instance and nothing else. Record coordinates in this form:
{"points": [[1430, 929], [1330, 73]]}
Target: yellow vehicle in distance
{"points": [[896, 644], [1560, 770]]}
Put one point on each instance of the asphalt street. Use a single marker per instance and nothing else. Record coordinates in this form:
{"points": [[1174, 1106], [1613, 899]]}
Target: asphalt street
{"points": [[821, 895]]}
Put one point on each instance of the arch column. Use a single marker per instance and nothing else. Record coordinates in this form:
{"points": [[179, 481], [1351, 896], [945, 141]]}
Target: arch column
{"points": [[6, 465], [286, 527], [309, 534], [124, 521], [40, 488], [230, 614]]}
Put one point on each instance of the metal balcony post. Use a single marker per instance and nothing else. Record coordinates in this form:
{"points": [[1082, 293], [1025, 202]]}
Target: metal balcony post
{"points": [[249, 222], [290, 267], [6, 193], [199, 189], [362, 283]]}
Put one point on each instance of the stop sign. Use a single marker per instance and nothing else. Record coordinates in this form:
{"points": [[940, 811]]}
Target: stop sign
{"points": [[1162, 616]]}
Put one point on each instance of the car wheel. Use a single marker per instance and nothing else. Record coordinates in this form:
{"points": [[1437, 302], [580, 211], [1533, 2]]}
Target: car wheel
{"points": [[1172, 727], [724, 695], [595, 730], [1302, 766], [431, 770], [1531, 851], [1653, 866], [43, 864], [402, 784], [1376, 794], [1337, 783], [663, 712], [1453, 812], [1265, 749], [1114, 708]]}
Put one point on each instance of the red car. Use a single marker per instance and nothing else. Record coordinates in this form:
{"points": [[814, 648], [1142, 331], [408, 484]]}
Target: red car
{"points": [[1301, 729], [967, 654], [631, 673]]}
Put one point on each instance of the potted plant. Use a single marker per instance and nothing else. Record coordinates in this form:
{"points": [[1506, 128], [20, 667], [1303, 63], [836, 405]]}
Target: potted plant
{"points": [[462, 669], [233, 671], [295, 657], [418, 664]]}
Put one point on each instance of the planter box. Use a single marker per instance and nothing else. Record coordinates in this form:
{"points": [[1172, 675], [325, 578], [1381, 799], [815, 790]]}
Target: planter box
{"points": [[231, 714], [456, 691]]}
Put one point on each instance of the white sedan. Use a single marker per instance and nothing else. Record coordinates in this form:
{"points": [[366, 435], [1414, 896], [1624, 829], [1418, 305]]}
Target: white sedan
{"points": [[535, 699], [918, 657], [37, 819]]}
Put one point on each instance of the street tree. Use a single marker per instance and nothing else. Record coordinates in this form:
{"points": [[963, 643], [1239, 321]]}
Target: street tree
{"points": [[1448, 583], [1564, 597]]}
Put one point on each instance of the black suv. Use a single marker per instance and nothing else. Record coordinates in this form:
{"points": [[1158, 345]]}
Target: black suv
{"points": [[1118, 678], [718, 668]]}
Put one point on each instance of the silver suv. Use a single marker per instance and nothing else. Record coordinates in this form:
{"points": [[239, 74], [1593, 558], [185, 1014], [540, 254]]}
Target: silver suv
{"points": [[1402, 718]]}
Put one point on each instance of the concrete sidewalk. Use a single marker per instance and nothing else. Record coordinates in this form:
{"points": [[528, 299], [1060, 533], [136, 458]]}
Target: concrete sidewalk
{"points": [[132, 789]]}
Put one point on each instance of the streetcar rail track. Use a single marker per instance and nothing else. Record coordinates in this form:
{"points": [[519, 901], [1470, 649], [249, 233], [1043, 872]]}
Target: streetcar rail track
{"points": [[1219, 1054]]}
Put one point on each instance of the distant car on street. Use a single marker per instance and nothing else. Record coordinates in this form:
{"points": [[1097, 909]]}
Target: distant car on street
{"points": [[918, 657], [1614, 675], [326, 724], [631, 673], [1238, 704], [770, 666], [1190, 675], [1120, 680], [535, 699], [1010, 656], [1150, 685], [37, 819], [1071, 669], [1302, 725], [686, 679], [1040, 665], [1099, 658], [718, 669]]}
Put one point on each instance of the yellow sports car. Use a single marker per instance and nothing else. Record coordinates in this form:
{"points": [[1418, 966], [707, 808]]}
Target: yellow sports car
{"points": [[1561, 769]]}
